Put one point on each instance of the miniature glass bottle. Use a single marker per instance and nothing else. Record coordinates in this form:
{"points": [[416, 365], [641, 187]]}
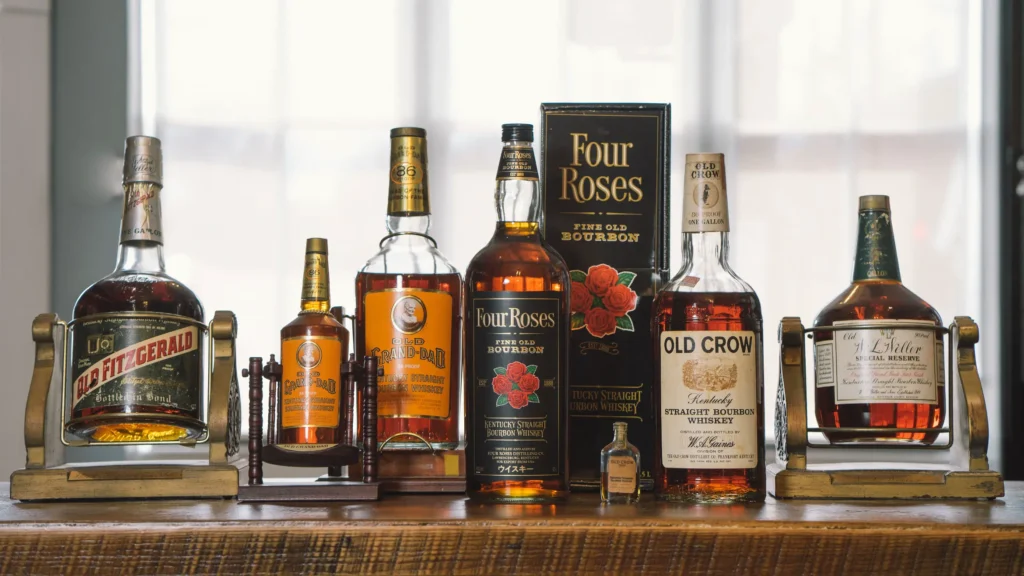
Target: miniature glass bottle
{"points": [[620, 469]]}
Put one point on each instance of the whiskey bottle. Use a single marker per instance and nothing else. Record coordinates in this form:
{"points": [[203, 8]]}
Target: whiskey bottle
{"points": [[313, 346], [709, 396], [517, 331], [881, 363], [137, 334], [620, 469], [409, 312]]}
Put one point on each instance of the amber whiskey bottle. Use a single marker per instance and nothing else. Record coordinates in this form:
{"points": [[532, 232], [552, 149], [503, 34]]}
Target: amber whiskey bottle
{"points": [[517, 330], [878, 357], [409, 313], [709, 392], [313, 346], [137, 334]]}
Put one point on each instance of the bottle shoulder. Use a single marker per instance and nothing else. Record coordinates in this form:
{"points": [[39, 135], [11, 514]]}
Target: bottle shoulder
{"points": [[314, 325], [716, 280], [878, 301], [408, 254], [139, 292], [517, 257]]}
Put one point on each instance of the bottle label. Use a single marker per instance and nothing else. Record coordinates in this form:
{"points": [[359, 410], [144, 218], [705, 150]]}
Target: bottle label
{"points": [[315, 280], [621, 475], [136, 360], [310, 382], [410, 332], [517, 163], [140, 219], [407, 189], [518, 341], [881, 365], [705, 208], [709, 399], [876, 247]]}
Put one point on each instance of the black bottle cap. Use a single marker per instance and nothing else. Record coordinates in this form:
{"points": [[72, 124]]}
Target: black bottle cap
{"points": [[518, 132]]}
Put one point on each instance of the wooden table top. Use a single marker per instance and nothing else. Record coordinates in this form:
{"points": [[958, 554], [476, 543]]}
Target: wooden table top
{"points": [[449, 534]]}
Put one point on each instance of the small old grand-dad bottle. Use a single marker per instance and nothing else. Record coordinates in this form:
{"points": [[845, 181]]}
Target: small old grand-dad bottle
{"points": [[137, 340], [709, 396], [517, 330], [882, 364], [313, 346], [409, 312]]}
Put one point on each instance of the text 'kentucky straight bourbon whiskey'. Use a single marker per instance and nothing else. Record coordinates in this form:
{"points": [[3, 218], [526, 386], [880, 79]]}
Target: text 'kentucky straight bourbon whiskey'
{"points": [[878, 356], [517, 330], [709, 397], [137, 339], [409, 312], [313, 346]]}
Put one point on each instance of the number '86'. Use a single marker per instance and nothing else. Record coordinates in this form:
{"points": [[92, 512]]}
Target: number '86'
{"points": [[406, 174]]}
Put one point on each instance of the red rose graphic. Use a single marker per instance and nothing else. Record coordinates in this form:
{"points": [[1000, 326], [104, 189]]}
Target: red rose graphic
{"points": [[580, 299], [600, 278], [515, 371], [529, 383], [501, 385], [518, 398], [619, 299], [600, 322]]}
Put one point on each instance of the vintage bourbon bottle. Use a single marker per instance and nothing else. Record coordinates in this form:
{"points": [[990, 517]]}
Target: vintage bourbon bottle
{"points": [[709, 392], [313, 346], [517, 331], [137, 339], [882, 365], [409, 312]]}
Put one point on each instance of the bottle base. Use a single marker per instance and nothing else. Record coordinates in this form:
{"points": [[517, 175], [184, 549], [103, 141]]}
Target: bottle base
{"points": [[517, 495], [116, 428], [713, 495]]}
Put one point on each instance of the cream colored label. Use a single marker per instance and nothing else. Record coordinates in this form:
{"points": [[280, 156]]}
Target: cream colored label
{"points": [[881, 365], [705, 208], [709, 399], [141, 217], [621, 475]]}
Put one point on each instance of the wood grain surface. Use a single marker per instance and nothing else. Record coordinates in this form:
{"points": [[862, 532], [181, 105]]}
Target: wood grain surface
{"points": [[451, 535]]}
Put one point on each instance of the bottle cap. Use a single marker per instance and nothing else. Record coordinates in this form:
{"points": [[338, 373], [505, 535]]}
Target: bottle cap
{"points": [[408, 131], [875, 202], [316, 245], [143, 160], [517, 132]]}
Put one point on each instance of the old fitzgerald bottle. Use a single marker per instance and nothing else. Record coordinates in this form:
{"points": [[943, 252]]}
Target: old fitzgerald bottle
{"points": [[517, 330], [313, 347], [709, 392], [409, 312], [137, 340], [882, 365]]}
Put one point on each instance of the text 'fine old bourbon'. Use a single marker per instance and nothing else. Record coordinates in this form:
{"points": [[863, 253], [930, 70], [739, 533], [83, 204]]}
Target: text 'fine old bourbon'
{"points": [[313, 346], [606, 185], [517, 328], [878, 356], [137, 334], [409, 313], [709, 359]]}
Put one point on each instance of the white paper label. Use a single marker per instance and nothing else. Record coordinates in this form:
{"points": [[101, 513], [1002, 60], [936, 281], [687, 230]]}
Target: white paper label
{"points": [[881, 365], [709, 399]]}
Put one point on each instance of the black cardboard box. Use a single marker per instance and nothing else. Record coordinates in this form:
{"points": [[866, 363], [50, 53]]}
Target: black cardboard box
{"points": [[605, 179]]}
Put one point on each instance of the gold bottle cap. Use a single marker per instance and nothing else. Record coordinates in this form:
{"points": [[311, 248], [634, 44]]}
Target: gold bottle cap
{"points": [[408, 191], [143, 160], [705, 207], [875, 203], [316, 245]]}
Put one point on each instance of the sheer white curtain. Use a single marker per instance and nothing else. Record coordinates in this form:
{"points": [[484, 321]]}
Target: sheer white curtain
{"points": [[275, 119]]}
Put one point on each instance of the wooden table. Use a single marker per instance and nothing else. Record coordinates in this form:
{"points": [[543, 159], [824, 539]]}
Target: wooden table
{"points": [[448, 534]]}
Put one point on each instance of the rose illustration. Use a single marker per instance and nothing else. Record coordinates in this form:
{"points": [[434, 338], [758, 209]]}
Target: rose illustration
{"points": [[501, 385], [600, 278], [619, 300], [529, 383], [580, 298], [518, 398], [515, 371], [600, 322]]}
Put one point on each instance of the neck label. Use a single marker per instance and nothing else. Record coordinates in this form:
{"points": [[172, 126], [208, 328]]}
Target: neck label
{"points": [[141, 218], [407, 188], [705, 208], [876, 248], [315, 281], [517, 163]]}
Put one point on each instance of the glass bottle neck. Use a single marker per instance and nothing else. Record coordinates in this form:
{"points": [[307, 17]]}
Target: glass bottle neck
{"points": [[620, 435], [517, 199], [875, 258], [418, 224], [706, 250], [140, 256], [141, 245]]}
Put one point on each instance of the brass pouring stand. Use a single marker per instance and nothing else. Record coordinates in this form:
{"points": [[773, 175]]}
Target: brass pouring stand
{"points": [[959, 470], [47, 477]]}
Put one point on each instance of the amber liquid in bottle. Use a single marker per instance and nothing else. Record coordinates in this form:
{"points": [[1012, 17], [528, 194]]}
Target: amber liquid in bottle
{"points": [[877, 294]]}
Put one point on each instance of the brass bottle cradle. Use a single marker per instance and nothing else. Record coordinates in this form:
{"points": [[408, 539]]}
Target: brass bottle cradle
{"points": [[957, 468], [46, 476]]}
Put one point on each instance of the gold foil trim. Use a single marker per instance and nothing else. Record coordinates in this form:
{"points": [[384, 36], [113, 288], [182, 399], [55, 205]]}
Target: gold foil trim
{"points": [[316, 284], [875, 203], [408, 192], [705, 205]]}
